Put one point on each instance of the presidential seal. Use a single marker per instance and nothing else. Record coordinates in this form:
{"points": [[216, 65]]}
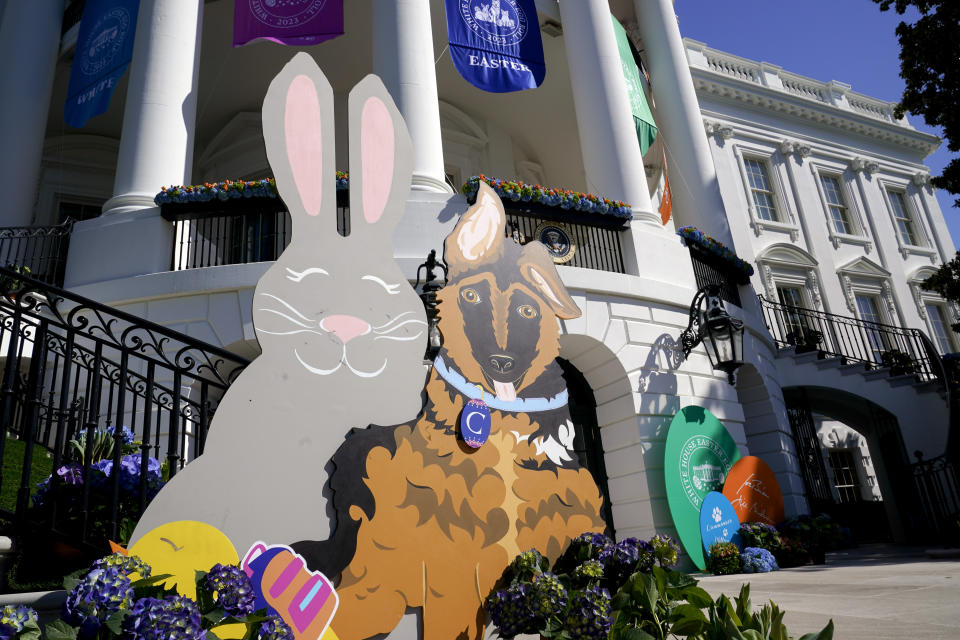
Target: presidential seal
{"points": [[556, 238], [703, 466], [499, 22], [286, 14], [106, 40]]}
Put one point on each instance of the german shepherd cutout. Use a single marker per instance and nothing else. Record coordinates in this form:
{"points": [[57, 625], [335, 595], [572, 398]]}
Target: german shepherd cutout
{"points": [[424, 520]]}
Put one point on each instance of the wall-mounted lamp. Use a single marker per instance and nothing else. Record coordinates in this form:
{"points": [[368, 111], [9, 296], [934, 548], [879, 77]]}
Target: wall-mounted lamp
{"points": [[429, 296], [721, 333]]}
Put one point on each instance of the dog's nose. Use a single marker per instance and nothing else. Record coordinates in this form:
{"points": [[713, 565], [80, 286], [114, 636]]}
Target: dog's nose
{"points": [[345, 327], [501, 363]]}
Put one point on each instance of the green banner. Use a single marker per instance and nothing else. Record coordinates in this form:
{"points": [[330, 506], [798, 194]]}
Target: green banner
{"points": [[642, 118]]}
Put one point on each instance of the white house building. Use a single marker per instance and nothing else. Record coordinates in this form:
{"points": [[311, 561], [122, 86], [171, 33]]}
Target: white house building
{"points": [[819, 187]]}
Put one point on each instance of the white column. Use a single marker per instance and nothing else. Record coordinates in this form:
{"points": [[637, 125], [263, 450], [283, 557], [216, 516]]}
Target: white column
{"points": [[608, 137], [156, 144], [403, 57], [693, 177], [29, 44]]}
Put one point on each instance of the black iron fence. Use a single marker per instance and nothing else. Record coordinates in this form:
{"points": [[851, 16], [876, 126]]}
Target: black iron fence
{"points": [[903, 350], [99, 407], [938, 487], [40, 252], [709, 270], [240, 231]]}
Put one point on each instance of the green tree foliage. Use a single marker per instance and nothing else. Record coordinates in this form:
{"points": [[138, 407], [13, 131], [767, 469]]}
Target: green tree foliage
{"points": [[946, 282], [929, 52]]}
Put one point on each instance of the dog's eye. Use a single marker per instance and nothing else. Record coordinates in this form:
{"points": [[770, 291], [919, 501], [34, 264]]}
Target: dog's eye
{"points": [[527, 311], [470, 296]]}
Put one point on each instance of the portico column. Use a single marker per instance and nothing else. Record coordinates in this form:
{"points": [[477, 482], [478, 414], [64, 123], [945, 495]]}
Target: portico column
{"points": [[29, 44], [403, 57], [695, 190], [156, 144], [608, 137]]}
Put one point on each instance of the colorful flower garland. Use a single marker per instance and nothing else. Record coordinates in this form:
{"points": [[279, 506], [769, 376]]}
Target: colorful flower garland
{"points": [[692, 235], [229, 189], [563, 198]]}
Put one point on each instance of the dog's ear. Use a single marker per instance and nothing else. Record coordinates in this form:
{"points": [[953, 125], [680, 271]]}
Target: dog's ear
{"points": [[478, 237], [538, 269]]}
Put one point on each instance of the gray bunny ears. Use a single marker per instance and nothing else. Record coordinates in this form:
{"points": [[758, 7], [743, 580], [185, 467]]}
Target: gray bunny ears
{"points": [[298, 129]]}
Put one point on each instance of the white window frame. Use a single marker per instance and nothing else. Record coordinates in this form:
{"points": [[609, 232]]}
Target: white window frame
{"points": [[922, 298], [858, 235], [787, 220], [911, 209]]}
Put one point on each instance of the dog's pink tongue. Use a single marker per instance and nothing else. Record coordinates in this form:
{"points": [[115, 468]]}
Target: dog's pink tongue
{"points": [[505, 391]]}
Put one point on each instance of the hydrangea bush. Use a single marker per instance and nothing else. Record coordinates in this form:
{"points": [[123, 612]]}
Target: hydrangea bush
{"points": [[693, 236], [724, 559], [117, 597], [757, 560], [760, 534], [228, 190], [563, 198]]}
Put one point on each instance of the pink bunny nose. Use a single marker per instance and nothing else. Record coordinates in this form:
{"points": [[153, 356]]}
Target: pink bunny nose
{"points": [[344, 327]]}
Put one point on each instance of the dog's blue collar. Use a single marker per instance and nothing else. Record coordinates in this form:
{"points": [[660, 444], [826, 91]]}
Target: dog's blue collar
{"points": [[520, 405]]}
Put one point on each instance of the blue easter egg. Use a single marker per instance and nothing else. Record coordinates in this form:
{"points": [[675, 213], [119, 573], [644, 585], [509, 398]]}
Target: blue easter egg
{"points": [[475, 423]]}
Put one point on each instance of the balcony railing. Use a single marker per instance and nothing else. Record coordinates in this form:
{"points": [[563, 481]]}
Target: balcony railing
{"points": [[40, 252], [708, 270], [74, 368], [902, 350]]}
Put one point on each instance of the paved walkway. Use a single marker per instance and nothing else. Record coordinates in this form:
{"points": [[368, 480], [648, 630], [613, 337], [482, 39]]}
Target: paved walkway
{"points": [[872, 592]]}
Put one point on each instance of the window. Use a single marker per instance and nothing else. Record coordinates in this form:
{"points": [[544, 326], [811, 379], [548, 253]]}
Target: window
{"points": [[761, 192], [938, 325], [868, 308], [901, 218], [839, 213], [77, 210], [845, 478], [792, 300]]}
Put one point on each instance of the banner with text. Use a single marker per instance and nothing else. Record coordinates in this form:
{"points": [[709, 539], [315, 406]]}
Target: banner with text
{"points": [[103, 51], [642, 118], [495, 44], [296, 23]]}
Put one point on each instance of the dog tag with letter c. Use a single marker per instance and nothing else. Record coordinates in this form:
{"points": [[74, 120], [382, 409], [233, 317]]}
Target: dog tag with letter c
{"points": [[475, 423]]}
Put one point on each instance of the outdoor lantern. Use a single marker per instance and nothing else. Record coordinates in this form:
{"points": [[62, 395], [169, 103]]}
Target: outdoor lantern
{"points": [[429, 297], [721, 333]]}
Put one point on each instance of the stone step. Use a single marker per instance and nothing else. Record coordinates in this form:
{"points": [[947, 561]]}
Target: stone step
{"points": [[903, 380], [928, 386], [830, 363], [804, 358], [852, 368], [877, 374]]}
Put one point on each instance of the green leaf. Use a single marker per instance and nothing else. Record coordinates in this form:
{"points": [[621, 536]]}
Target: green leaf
{"points": [[115, 621], [824, 634], [30, 631], [152, 580], [688, 620], [212, 636], [697, 597], [73, 579], [215, 617], [631, 633], [60, 630], [680, 580]]}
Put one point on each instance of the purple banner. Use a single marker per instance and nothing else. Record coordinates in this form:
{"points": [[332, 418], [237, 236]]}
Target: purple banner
{"points": [[296, 23]]}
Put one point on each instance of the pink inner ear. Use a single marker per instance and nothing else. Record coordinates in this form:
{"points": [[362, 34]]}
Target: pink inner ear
{"points": [[376, 149], [302, 128]]}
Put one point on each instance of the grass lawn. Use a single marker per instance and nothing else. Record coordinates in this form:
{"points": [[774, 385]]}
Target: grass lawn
{"points": [[13, 453]]}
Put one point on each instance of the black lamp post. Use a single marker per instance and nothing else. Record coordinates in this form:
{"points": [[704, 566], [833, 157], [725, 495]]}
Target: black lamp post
{"points": [[721, 333], [429, 296]]}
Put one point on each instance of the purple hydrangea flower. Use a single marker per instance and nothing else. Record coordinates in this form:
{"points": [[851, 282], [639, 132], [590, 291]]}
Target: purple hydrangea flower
{"points": [[589, 614], [125, 564], [13, 619], [231, 589], [172, 618], [71, 474], [547, 596], [103, 591], [510, 611], [274, 628], [757, 560], [666, 550]]}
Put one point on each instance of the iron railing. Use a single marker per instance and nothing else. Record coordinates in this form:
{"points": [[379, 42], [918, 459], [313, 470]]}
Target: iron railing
{"points": [[708, 270], [74, 369], [938, 488], [241, 231], [591, 242], [903, 350], [40, 252]]}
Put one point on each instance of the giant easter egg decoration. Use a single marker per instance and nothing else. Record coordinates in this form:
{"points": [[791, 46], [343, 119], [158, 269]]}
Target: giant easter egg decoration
{"points": [[754, 492]]}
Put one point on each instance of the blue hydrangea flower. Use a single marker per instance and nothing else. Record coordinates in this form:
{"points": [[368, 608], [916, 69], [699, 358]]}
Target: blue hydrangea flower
{"points": [[172, 618], [547, 596], [103, 591], [13, 619], [126, 434], [757, 560], [125, 564], [231, 589], [665, 550], [528, 564], [274, 628], [510, 611], [591, 570], [589, 614]]}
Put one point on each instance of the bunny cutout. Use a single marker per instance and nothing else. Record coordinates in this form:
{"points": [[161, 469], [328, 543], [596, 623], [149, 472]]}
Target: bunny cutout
{"points": [[342, 332]]}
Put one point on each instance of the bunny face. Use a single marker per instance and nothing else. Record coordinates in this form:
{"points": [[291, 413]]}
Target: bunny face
{"points": [[338, 310]]}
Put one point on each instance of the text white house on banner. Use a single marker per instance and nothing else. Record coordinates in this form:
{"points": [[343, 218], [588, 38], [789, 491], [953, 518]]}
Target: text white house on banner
{"points": [[103, 51], [495, 44]]}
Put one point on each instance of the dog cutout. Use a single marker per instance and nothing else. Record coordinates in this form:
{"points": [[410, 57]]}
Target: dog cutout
{"points": [[342, 331], [423, 520]]}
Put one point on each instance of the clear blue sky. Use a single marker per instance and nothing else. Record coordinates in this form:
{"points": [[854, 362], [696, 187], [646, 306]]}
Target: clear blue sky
{"points": [[847, 40]]}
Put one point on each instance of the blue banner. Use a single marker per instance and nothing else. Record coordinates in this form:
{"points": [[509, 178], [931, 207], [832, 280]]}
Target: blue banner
{"points": [[103, 51], [495, 44]]}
